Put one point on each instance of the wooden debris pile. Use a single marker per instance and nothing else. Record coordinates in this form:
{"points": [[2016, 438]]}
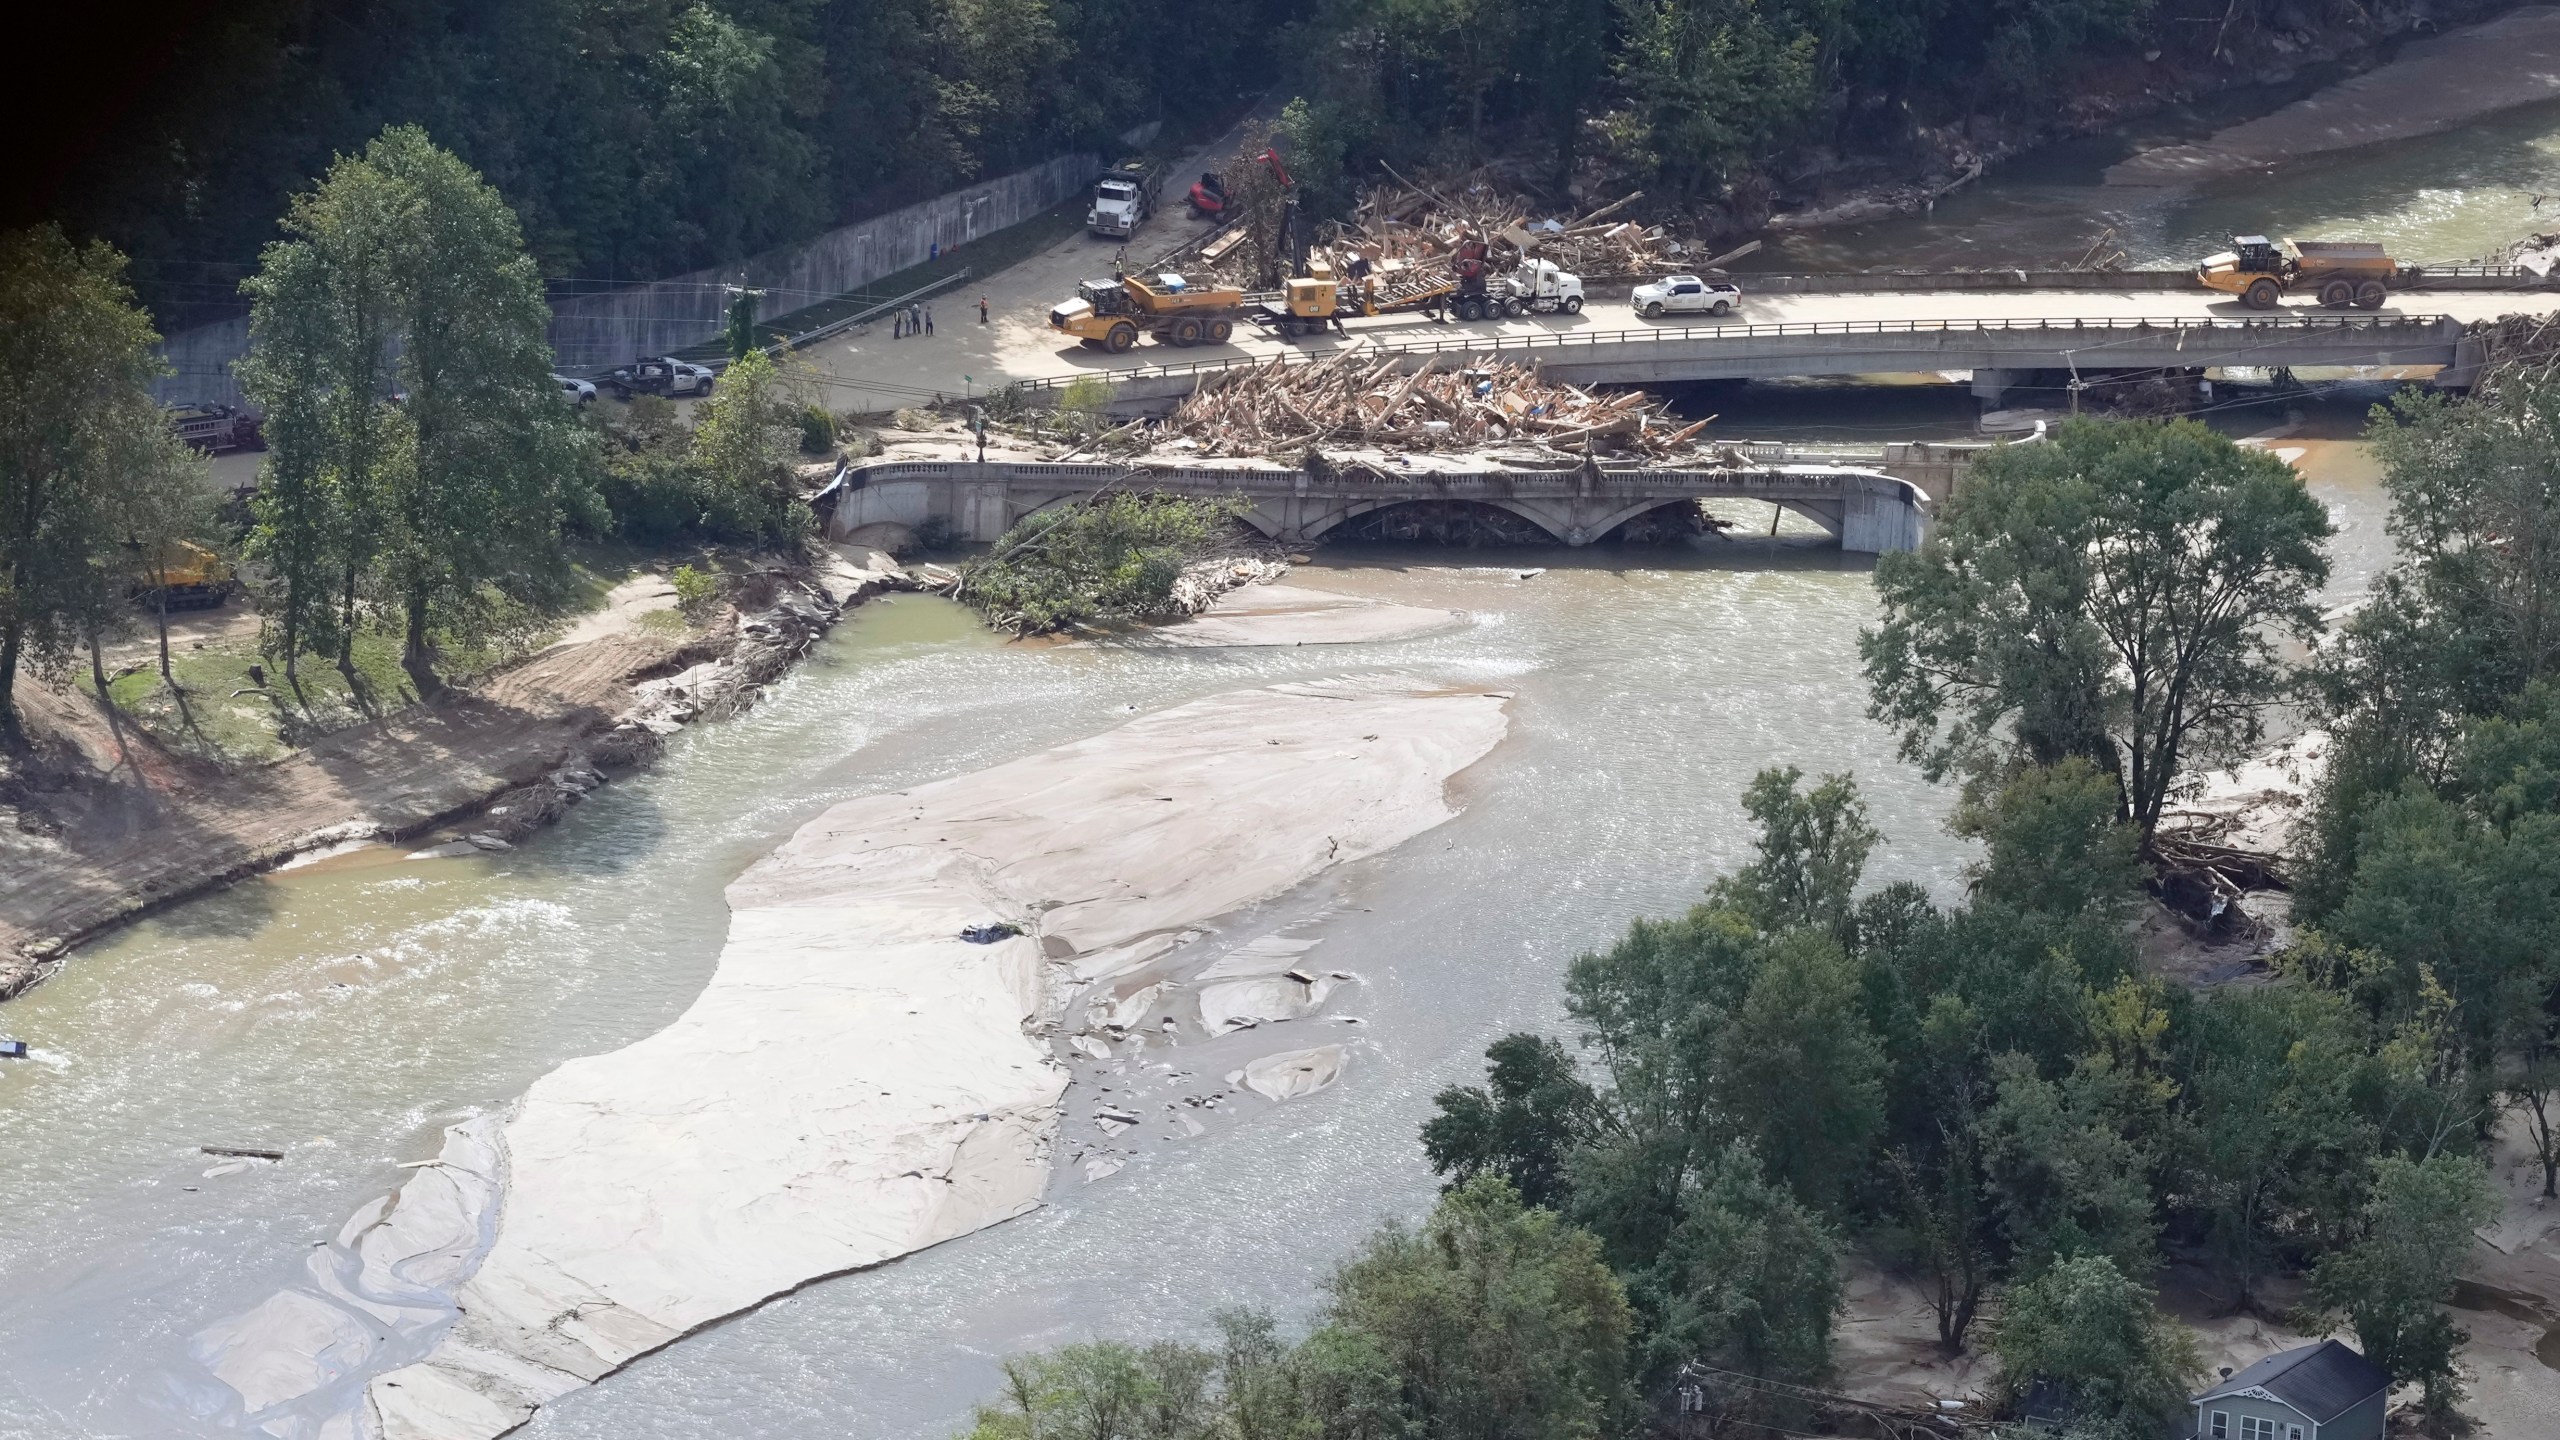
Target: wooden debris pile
{"points": [[1420, 222], [1356, 399]]}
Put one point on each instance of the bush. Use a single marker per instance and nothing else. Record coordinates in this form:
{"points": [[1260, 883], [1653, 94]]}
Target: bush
{"points": [[695, 591], [817, 430], [1108, 559]]}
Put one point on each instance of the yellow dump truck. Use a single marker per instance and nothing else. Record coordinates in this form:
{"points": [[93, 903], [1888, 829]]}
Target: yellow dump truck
{"points": [[1112, 314], [187, 576], [2340, 272]]}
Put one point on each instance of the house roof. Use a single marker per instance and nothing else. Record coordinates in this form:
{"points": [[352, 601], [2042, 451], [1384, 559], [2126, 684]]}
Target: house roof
{"points": [[2322, 1381]]}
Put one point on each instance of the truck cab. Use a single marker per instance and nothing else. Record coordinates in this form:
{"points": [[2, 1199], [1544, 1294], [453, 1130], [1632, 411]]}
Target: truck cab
{"points": [[1542, 287], [1122, 200]]}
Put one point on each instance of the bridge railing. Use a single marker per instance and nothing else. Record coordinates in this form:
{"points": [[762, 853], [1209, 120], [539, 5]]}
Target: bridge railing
{"points": [[1495, 345], [1804, 477]]}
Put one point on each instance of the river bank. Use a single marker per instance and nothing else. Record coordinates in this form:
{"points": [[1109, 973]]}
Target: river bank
{"points": [[2280, 95], [858, 1081], [117, 829]]}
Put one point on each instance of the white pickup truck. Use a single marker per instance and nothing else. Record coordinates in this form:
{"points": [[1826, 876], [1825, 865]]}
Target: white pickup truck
{"points": [[1684, 294]]}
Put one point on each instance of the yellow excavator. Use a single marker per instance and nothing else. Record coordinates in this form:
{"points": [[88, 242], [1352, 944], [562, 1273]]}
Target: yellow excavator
{"points": [[184, 576]]}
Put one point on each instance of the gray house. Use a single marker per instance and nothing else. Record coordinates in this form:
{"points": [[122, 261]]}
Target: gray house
{"points": [[2319, 1392]]}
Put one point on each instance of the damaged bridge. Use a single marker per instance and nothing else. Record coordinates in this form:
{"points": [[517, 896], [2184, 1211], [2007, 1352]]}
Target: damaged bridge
{"points": [[1865, 507]]}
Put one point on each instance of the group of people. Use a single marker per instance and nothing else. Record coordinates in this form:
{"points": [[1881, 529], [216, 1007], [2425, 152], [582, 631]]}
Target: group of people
{"points": [[917, 319]]}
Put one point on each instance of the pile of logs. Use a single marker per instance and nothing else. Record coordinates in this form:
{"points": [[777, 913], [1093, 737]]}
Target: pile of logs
{"points": [[1352, 398], [1416, 222]]}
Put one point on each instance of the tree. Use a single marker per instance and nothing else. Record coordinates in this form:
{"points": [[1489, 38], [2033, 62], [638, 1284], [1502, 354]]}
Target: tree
{"points": [[421, 455], [1749, 1281], [743, 446], [1522, 1125], [80, 424], [1811, 850], [2054, 844], [1498, 1320], [2391, 1284], [2061, 1171], [2116, 594], [2276, 1097], [1800, 1074], [1104, 1390], [493, 465], [2085, 1328]]}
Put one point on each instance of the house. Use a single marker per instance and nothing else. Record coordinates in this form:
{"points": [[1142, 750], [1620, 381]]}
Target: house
{"points": [[2319, 1392]]}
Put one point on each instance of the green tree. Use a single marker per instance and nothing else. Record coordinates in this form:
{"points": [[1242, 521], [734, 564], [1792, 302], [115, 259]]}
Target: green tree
{"points": [[2084, 1327], [1523, 1125], [79, 429], [1801, 1076], [1749, 1281], [495, 463], [743, 446], [1113, 558], [2054, 843], [421, 456], [2117, 594], [1811, 849], [2391, 1284], [2278, 1102], [2063, 1174], [1498, 1320], [1708, 85]]}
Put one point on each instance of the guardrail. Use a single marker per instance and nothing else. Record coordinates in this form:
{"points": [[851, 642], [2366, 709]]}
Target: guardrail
{"points": [[1493, 345]]}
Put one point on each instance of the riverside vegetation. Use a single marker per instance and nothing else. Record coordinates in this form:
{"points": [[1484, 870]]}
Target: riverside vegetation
{"points": [[427, 491], [1990, 1095]]}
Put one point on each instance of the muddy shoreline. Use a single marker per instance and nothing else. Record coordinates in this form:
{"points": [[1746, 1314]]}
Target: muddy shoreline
{"points": [[1823, 187], [480, 768]]}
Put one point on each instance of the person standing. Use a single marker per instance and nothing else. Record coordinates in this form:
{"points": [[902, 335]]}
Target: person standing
{"points": [[928, 319], [897, 324], [982, 309], [915, 319]]}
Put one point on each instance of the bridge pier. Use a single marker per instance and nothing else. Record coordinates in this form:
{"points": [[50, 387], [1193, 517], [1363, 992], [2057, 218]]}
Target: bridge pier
{"points": [[1990, 384]]}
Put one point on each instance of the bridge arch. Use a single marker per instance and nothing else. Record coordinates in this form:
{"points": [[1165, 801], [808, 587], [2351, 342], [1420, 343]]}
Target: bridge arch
{"points": [[1258, 517], [1323, 525]]}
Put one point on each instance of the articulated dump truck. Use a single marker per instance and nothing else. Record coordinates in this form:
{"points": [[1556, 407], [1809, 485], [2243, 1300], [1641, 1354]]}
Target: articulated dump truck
{"points": [[2341, 273], [1112, 314]]}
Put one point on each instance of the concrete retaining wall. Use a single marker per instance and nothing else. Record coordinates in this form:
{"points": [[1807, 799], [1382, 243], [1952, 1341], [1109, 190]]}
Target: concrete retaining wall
{"points": [[670, 314], [593, 331]]}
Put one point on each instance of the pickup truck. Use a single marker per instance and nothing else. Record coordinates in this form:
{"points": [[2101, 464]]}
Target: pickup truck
{"points": [[658, 375], [1684, 294]]}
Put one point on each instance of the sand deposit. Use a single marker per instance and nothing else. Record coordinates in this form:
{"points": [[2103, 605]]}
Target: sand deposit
{"points": [[857, 1082]]}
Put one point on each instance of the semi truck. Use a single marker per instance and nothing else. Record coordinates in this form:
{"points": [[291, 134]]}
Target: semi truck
{"points": [[1123, 199], [1325, 296], [2262, 272]]}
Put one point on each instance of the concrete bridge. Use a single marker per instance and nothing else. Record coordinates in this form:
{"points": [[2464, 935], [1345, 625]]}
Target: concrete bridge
{"points": [[1999, 352], [1866, 509]]}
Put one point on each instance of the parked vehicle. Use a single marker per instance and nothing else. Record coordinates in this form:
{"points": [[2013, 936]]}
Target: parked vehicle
{"points": [[1541, 287], [579, 393], [659, 375], [191, 578], [217, 429], [2341, 272], [1323, 298], [1123, 198], [1684, 295], [1209, 192]]}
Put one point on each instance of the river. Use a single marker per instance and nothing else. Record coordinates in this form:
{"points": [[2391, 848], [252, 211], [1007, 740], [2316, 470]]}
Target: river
{"points": [[345, 1011]]}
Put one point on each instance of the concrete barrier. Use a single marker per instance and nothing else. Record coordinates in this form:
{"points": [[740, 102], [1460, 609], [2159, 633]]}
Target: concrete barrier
{"points": [[612, 328]]}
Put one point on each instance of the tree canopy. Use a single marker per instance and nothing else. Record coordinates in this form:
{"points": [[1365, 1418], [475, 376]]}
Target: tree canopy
{"points": [[2117, 593]]}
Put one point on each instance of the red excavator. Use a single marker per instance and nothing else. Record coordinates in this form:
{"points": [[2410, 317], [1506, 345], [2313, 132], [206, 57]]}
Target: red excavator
{"points": [[1209, 193]]}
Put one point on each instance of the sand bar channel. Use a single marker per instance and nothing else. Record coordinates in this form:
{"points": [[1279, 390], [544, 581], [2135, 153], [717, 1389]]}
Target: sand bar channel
{"points": [[857, 1082]]}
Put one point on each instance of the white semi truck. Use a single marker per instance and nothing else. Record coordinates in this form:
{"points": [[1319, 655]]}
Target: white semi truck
{"points": [[1123, 199]]}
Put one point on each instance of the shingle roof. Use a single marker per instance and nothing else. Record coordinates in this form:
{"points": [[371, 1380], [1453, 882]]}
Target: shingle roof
{"points": [[2321, 1380]]}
